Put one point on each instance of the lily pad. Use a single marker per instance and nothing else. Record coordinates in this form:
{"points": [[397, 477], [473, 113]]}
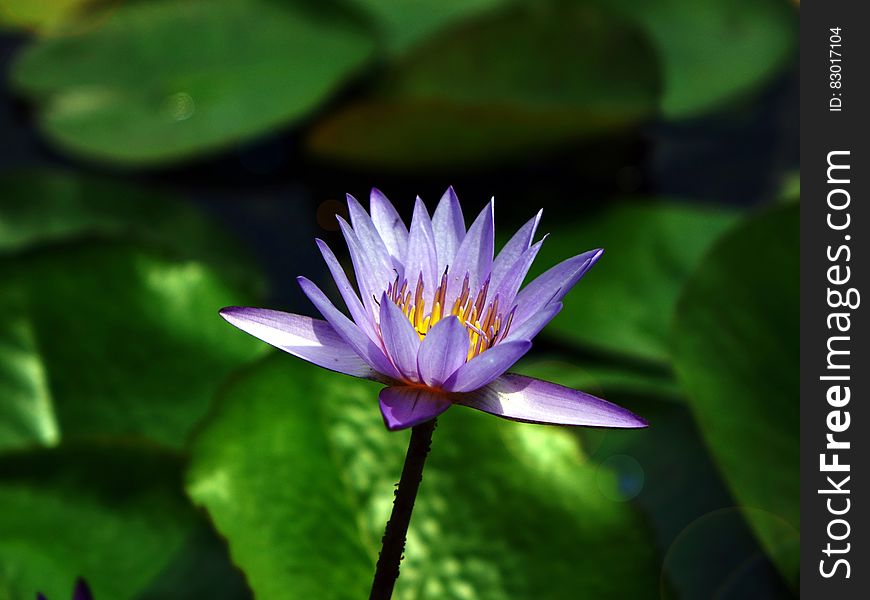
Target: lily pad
{"points": [[115, 516], [108, 340], [162, 81], [713, 52], [200, 569], [297, 471], [667, 471], [46, 16], [736, 351], [54, 207], [498, 87], [625, 304], [404, 24]]}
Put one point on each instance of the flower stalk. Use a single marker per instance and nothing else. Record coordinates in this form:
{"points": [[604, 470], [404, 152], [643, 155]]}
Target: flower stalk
{"points": [[393, 542]]}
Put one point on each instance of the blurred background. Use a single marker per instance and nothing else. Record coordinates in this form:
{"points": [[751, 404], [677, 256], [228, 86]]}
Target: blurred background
{"points": [[161, 159]]}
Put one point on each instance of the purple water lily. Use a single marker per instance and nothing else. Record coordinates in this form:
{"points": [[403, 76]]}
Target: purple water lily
{"points": [[437, 318]]}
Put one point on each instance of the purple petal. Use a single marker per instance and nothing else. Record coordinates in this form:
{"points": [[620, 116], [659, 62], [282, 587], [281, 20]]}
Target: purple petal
{"points": [[513, 250], [351, 300], [404, 407], [553, 284], [529, 328], [522, 398], [400, 339], [82, 591], [368, 235], [486, 366], [389, 225], [348, 331], [448, 224], [507, 288], [371, 276], [474, 255], [421, 257], [310, 339], [443, 351]]}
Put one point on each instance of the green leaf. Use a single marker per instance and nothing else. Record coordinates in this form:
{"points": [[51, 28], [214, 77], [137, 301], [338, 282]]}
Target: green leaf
{"points": [[405, 24], [679, 488], [713, 52], [200, 569], [736, 351], [498, 87], [667, 472], [161, 81], [297, 471], [115, 516], [26, 408], [107, 340], [790, 188], [625, 303], [48, 16], [53, 207]]}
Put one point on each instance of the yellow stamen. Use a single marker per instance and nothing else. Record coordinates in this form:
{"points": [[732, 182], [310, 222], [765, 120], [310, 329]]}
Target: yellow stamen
{"points": [[482, 320]]}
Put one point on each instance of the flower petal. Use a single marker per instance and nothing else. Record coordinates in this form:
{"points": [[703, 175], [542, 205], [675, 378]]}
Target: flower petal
{"points": [[514, 249], [421, 257], [486, 366], [400, 340], [443, 351], [351, 300], [389, 225], [371, 276], [448, 224], [310, 339], [368, 235], [474, 255], [404, 407], [529, 328], [531, 400], [507, 288], [349, 332], [553, 284], [82, 591]]}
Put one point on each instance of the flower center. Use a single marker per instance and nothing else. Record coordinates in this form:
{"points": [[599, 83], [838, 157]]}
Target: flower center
{"points": [[486, 323]]}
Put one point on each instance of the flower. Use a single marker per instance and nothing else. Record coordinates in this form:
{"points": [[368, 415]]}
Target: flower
{"points": [[80, 592], [437, 318]]}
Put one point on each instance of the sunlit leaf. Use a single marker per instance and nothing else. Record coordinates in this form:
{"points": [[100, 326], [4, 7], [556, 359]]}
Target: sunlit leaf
{"points": [[712, 51], [42, 15], [297, 471], [625, 304], [736, 350], [104, 340], [27, 414], [51, 207], [500, 86], [161, 81]]}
